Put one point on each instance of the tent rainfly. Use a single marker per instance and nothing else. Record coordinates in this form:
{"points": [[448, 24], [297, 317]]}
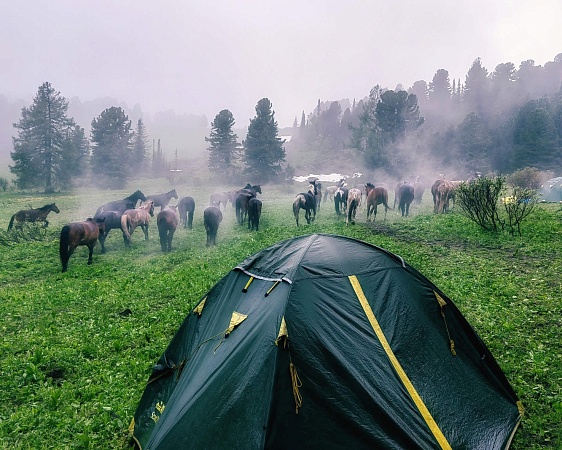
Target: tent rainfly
{"points": [[551, 190], [323, 341]]}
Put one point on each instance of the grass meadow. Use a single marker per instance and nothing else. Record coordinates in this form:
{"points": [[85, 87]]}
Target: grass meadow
{"points": [[72, 368]]}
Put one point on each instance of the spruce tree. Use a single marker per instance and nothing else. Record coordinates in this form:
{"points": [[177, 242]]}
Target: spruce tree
{"points": [[223, 151], [111, 148], [264, 151], [42, 132], [140, 147]]}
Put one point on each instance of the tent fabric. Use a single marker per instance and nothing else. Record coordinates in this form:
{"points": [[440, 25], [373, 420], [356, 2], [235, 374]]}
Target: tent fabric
{"points": [[373, 355], [551, 190]]}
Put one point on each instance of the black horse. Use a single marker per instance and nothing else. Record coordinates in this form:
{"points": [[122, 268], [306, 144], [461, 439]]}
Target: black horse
{"points": [[123, 205], [112, 219], [186, 207], [406, 196], [212, 217], [254, 213]]}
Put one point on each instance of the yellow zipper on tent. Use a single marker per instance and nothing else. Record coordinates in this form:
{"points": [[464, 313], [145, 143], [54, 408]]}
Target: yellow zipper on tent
{"points": [[437, 433], [442, 304]]}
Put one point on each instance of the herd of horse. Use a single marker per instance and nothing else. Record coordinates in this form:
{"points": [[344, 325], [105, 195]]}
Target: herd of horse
{"points": [[124, 214]]}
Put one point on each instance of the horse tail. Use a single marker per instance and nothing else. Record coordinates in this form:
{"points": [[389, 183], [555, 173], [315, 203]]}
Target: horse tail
{"points": [[190, 219], [296, 208], [64, 246], [162, 232], [11, 224], [239, 210], [125, 228]]}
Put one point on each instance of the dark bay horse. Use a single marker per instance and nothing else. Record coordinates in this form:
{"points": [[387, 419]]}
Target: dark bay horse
{"points": [[254, 214], [306, 201], [121, 206], [79, 233], [212, 217], [132, 218], [167, 221], [162, 200], [186, 208], [242, 198], [34, 215], [376, 196], [406, 197]]}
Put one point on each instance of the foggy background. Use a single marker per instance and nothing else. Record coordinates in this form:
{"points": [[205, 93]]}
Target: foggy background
{"points": [[201, 57]]}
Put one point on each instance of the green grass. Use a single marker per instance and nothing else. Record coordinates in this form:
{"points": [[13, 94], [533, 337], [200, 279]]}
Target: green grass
{"points": [[72, 368]]}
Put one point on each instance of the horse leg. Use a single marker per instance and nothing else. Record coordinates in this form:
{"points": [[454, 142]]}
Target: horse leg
{"points": [[145, 229], [90, 252]]}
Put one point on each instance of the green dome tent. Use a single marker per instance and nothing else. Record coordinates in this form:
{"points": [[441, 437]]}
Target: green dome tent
{"points": [[323, 341]]}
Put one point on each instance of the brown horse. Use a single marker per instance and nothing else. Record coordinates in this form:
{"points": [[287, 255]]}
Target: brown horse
{"points": [[79, 233], [34, 215], [406, 195], [445, 193], [186, 208], [376, 196], [434, 188], [132, 218], [167, 221], [212, 217], [419, 189], [162, 200]]}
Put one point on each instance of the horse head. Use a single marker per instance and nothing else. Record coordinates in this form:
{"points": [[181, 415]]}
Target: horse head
{"points": [[173, 193], [138, 195], [54, 208], [257, 188]]}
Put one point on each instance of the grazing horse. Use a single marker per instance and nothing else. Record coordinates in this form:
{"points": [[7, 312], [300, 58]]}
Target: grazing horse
{"points": [[219, 197], [354, 198], [34, 215], [406, 195], [243, 196], [132, 218], [330, 192], [129, 202], [340, 198], [445, 193], [212, 217], [304, 200], [167, 222], [419, 189], [254, 214], [162, 200], [186, 207], [112, 219], [376, 196], [79, 233]]}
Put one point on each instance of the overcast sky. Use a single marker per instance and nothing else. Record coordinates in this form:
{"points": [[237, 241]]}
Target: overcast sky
{"points": [[199, 57]]}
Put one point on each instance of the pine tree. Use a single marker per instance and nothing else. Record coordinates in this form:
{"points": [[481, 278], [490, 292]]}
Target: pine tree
{"points": [[111, 147], [140, 147], [74, 156], [264, 151], [42, 132], [223, 151]]}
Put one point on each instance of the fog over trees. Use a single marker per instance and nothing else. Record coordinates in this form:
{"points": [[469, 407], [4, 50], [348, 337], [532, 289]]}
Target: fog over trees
{"points": [[497, 120]]}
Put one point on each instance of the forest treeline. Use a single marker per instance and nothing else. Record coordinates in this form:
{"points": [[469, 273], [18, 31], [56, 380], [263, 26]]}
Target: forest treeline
{"points": [[492, 121]]}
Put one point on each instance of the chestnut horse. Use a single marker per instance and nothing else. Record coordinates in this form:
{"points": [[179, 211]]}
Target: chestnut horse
{"points": [[79, 233], [132, 218], [34, 215], [376, 196], [167, 221]]}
